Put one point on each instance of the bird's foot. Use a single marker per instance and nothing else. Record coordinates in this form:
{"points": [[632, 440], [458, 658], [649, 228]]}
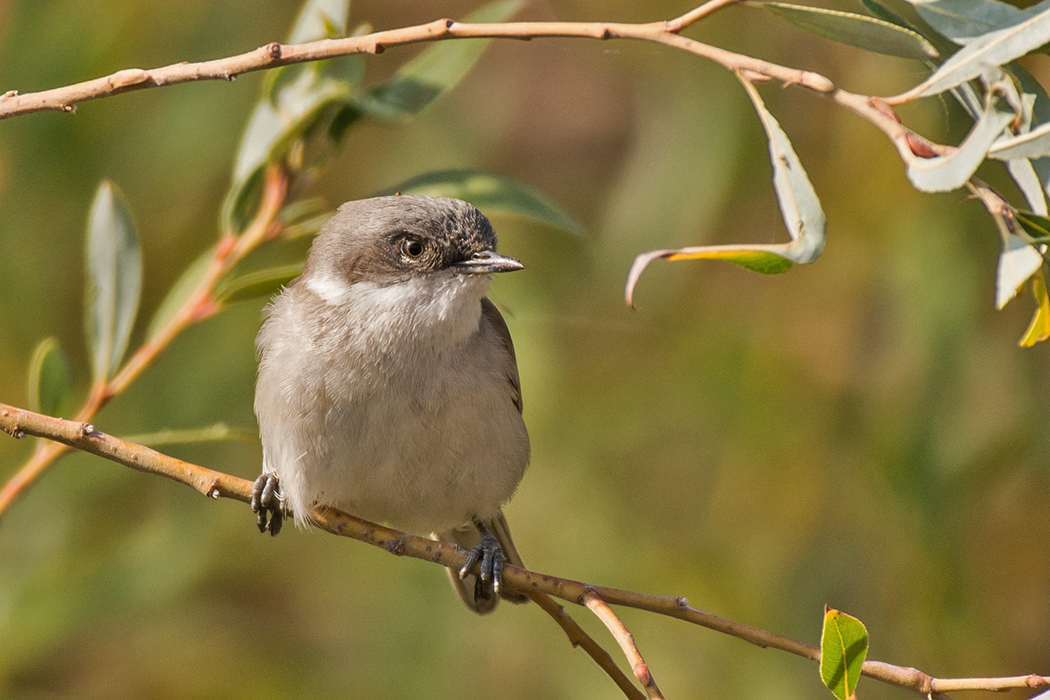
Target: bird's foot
{"points": [[489, 581], [268, 504]]}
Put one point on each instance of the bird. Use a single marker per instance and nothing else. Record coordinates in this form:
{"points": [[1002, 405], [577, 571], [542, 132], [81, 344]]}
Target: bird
{"points": [[388, 385]]}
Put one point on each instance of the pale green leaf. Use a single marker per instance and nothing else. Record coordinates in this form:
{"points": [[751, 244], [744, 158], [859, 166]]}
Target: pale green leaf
{"points": [[320, 19], [864, 32], [962, 21], [1024, 174], [113, 280], [213, 433], [435, 70], [50, 379], [1036, 226], [799, 206], [1038, 329], [987, 51], [490, 193], [263, 283], [950, 172], [1034, 144], [843, 647], [180, 293], [1018, 261]]}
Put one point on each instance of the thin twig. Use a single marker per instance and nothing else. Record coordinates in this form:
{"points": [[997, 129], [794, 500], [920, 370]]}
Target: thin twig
{"points": [[580, 638], [19, 423], [626, 641]]}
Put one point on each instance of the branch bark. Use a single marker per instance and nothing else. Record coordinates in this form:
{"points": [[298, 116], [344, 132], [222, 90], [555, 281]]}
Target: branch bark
{"points": [[83, 436]]}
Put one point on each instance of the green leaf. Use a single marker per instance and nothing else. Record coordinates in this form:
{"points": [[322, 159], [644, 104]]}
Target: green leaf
{"points": [[50, 379], [950, 172], [843, 646], [799, 206], [434, 71], [1034, 144], [213, 433], [987, 51], [295, 99], [263, 283], [490, 193], [180, 293], [320, 19], [1024, 174], [113, 280], [1037, 227], [885, 14], [1018, 261], [1039, 328], [861, 31], [962, 21]]}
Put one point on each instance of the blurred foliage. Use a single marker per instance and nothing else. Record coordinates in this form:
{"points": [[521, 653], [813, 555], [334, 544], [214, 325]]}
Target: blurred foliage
{"points": [[862, 432]]}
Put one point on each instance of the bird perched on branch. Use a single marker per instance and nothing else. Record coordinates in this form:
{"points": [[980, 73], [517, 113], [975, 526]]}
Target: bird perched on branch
{"points": [[388, 385]]}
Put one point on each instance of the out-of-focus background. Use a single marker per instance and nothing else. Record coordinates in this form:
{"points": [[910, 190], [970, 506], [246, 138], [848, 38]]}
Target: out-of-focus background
{"points": [[863, 432]]}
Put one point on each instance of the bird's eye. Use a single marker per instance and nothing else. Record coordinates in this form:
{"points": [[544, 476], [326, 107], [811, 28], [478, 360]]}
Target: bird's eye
{"points": [[411, 247]]}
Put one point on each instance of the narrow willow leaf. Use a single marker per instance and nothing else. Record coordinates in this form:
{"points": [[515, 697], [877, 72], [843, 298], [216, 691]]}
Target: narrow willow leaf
{"points": [[294, 100], [962, 21], [263, 283], [1018, 261], [843, 646], [950, 172], [882, 12], [1039, 328], [320, 19], [989, 50], [113, 280], [490, 192], [50, 379], [1034, 144], [799, 205], [437, 69], [1036, 227], [213, 433], [1024, 174], [861, 31], [180, 293]]}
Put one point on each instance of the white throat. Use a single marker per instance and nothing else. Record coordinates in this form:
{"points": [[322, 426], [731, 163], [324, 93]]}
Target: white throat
{"points": [[442, 307]]}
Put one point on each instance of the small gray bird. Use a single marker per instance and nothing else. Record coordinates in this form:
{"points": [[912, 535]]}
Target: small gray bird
{"points": [[388, 386]]}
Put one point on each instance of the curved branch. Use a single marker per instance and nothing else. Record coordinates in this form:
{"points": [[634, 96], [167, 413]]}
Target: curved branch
{"points": [[19, 423], [626, 641]]}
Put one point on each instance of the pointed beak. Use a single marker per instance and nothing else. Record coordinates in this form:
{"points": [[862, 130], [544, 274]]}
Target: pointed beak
{"points": [[486, 262]]}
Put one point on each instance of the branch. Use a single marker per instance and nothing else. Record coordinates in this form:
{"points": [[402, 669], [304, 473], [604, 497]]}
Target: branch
{"points": [[626, 641], [19, 423]]}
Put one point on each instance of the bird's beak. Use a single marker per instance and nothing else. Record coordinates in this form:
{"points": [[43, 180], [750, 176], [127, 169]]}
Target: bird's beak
{"points": [[486, 262]]}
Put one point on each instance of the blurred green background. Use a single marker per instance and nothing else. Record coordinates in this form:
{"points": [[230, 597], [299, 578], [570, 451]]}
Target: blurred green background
{"points": [[863, 432]]}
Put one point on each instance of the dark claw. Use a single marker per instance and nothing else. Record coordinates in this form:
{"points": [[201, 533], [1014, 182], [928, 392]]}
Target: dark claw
{"points": [[489, 581], [266, 503]]}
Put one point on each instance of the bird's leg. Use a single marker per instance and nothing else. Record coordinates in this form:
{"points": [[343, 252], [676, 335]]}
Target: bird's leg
{"points": [[489, 581], [267, 501]]}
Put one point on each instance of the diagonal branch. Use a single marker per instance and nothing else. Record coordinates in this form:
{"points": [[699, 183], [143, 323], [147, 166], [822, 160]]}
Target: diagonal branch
{"points": [[19, 423], [626, 641]]}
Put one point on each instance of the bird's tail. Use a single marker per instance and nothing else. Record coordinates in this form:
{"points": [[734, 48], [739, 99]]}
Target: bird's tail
{"points": [[466, 536]]}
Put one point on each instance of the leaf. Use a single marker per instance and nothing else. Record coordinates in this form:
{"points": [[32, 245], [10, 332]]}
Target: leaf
{"points": [[434, 71], [1018, 261], [843, 646], [320, 19], [949, 172], [263, 283], [50, 379], [180, 293], [885, 14], [295, 98], [212, 433], [861, 31], [1034, 144], [490, 192], [962, 21], [113, 280], [1039, 328], [987, 51], [1035, 226], [1024, 174], [803, 216]]}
